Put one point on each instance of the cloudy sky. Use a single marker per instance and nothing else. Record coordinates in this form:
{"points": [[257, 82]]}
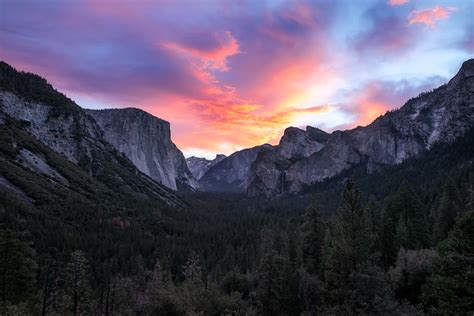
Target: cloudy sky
{"points": [[234, 74]]}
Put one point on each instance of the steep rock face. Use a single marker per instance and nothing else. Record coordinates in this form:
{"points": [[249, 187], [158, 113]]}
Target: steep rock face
{"points": [[438, 116], [72, 133], [231, 173], [146, 141], [199, 166], [59, 124], [268, 172], [297, 143]]}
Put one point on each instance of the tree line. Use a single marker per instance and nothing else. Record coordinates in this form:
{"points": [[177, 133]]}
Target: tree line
{"points": [[387, 258]]}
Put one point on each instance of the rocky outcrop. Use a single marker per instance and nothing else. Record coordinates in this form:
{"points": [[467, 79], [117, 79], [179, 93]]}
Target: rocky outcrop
{"points": [[437, 116], [73, 133], [231, 173], [199, 166], [269, 170], [297, 143], [146, 141]]}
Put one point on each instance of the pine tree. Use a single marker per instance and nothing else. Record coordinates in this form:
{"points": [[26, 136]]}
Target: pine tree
{"points": [[376, 215], [401, 233], [353, 236], [276, 280], [50, 283], [17, 270], [446, 212], [388, 241], [76, 284], [326, 251], [353, 284], [407, 204], [272, 283], [313, 236], [451, 289]]}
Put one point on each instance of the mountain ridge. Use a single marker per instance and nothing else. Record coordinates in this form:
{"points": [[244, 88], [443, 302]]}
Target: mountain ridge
{"points": [[28, 104], [441, 115], [303, 157], [74, 131]]}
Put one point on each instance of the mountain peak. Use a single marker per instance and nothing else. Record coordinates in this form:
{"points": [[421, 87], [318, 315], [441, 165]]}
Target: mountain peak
{"points": [[466, 72], [468, 64]]}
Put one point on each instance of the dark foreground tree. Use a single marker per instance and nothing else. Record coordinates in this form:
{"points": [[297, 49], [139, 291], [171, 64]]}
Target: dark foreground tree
{"points": [[353, 284], [313, 238], [445, 214], [77, 284], [277, 284], [17, 271], [411, 218], [451, 290]]}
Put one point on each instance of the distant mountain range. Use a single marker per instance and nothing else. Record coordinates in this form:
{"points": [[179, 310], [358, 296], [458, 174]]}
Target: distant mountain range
{"points": [[132, 149], [199, 166]]}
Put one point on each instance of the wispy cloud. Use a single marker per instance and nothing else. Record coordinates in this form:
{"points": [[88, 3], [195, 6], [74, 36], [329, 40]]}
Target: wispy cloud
{"points": [[213, 51], [397, 2], [430, 17]]}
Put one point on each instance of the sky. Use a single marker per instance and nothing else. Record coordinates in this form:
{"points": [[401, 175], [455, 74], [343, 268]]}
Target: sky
{"points": [[234, 74]]}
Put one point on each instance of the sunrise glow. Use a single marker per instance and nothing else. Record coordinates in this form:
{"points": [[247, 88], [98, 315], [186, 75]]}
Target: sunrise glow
{"points": [[229, 74]]}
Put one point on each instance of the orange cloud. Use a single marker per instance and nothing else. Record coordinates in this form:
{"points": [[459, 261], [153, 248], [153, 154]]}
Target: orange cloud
{"points": [[214, 58], [430, 17], [244, 126], [370, 104], [397, 2], [224, 122]]}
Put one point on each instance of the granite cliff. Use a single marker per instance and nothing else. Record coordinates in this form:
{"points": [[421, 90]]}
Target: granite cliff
{"points": [[146, 141]]}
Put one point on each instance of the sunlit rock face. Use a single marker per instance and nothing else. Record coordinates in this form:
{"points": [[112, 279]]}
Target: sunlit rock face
{"points": [[440, 115], [199, 166], [146, 141], [231, 173]]}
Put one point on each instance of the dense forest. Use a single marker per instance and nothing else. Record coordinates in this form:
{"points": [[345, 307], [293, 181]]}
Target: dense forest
{"points": [[397, 241]]}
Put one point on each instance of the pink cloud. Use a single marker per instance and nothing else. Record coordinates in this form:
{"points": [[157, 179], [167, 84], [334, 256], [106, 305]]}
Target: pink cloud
{"points": [[215, 58], [430, 17], [397, 2]]}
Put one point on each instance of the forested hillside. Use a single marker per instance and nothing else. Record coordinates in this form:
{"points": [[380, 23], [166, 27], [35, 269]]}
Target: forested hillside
{"points": [[397, 241]]}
